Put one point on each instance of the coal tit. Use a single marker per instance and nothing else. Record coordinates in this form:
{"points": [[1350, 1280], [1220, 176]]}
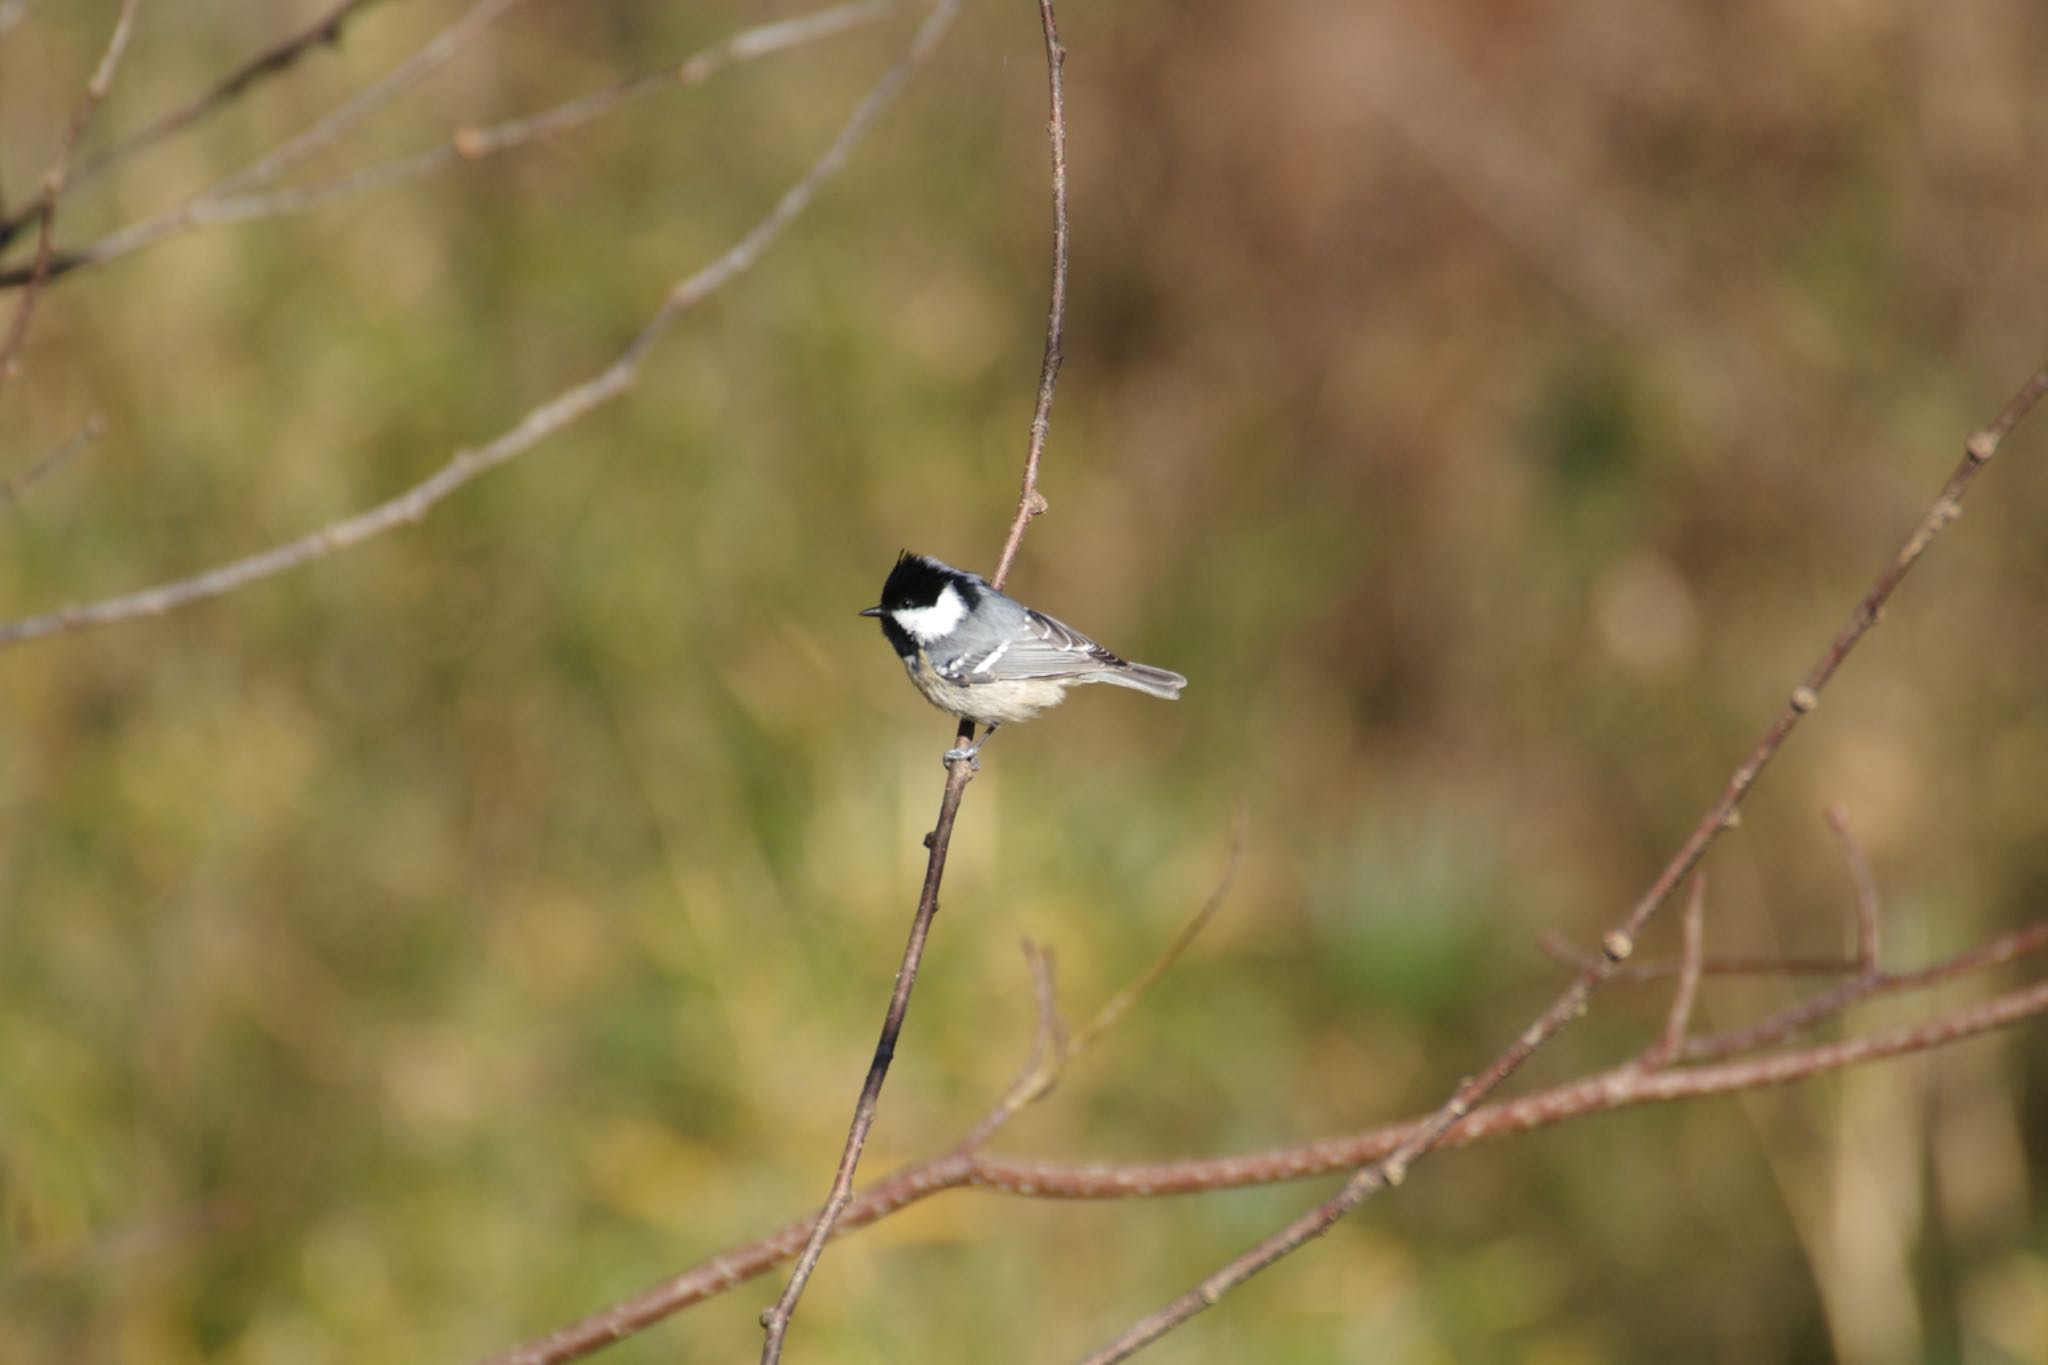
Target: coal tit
{"points": [[989, 658]]}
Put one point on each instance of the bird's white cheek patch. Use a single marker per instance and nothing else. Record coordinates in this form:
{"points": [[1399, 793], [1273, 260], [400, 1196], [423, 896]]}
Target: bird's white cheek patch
{"points": [[926, 624]]}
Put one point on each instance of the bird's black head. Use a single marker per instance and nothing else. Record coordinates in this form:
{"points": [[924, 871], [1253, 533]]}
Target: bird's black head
{"points": [[918, 580], [923, 600]]}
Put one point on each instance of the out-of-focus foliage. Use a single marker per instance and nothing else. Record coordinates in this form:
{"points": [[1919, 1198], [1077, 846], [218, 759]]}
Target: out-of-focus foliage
{"points": [[1490, 408]]}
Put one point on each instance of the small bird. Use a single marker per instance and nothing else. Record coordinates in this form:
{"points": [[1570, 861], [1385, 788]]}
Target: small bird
{"points": [[989, 658]]}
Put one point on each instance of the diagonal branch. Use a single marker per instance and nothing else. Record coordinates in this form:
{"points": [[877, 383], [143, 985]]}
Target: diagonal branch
{"points": [[538, 424], [1621, 941]]}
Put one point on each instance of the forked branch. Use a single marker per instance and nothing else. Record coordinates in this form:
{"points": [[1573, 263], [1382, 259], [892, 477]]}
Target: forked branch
{"points": [[964, 1165], [1620, 942]]}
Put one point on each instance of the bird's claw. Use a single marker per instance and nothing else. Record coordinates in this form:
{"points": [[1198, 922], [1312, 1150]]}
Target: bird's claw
{"points": [[958, 752]]}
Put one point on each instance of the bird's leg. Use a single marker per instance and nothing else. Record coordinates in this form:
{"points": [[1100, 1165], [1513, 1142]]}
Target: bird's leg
{"points": [[957, 752]]}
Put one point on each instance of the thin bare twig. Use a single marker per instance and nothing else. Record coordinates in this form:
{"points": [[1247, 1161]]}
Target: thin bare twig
{"points": [[1049, 1052], [1030, 502], [961, 1167], [1038, 1081], [273, 60], [1804, 1015], [229, 202], [474, 144], [959, 771], [293, 151], [539, 423], [54, 180], [1865, 882], [14, 489], [1568, 955], [1620, 942], [1669, 1043]]}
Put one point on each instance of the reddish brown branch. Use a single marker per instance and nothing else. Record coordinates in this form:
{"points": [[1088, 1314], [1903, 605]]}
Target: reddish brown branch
{"points": [[963, 1167], [1620, 942]]}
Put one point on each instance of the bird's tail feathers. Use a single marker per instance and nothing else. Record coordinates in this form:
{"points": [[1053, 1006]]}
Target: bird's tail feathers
{"points": [[1159, 682]]}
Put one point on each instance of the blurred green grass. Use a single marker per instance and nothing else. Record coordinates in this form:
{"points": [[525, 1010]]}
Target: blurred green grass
{"points": [[410, 953]]}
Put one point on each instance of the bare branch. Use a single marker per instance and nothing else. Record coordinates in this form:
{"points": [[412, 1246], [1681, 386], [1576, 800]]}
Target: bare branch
{"points": [[273, 60], [235, 201], [961, 1168], [54, 180], [474, 144], [539, 423], [959, 771], [293, 151], [1620, 942]]}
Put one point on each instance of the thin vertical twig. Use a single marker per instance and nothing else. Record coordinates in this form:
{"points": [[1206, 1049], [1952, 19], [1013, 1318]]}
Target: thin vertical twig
{"points": [[1030, 502], [959, 771], [1865, 882], [1671, 1042], [1619, 943]]}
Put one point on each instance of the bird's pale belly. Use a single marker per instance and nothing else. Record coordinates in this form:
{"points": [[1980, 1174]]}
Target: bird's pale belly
{"points": [[989, 703]]}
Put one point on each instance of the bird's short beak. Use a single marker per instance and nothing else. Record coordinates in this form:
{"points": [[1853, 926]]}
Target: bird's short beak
{"points": [[871, 611]]}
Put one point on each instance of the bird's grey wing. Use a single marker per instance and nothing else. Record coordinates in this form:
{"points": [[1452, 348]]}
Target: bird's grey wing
{"points": [[1035, 646]]}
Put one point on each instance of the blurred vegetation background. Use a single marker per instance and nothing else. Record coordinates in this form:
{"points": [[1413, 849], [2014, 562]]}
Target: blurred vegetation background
{"points": [[1491, 408]]}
